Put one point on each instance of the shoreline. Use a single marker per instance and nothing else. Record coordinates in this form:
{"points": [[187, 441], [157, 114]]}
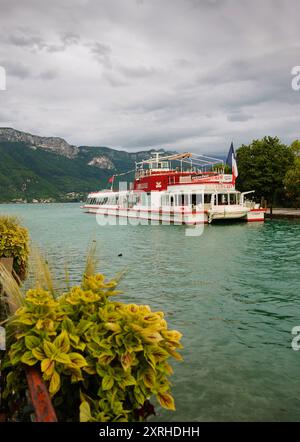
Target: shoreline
{"points": [[278, 213]]}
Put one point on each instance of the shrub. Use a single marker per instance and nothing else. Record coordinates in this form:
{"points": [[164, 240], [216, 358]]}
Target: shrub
{"points": [[102, 360], [14, 241]]}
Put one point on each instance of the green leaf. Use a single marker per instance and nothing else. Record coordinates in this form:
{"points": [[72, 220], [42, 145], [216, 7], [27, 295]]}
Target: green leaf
{"points": [[38, 353], [68, 325], [77, 360], [76, 374], [49, 349], [149, 378], [28, 358], [54, 383], [80, 346], [89, 369], [126, 360], [31, 342], [152, 336], [107, 382], [47, 367], [127, 382], [74, 339], [24, 320], [106, 358], [62, 342], [83, 326], [166, 401], [16, 352], [84, 412], [138, 394], [113, 326], [101, 370], [62, 358]]}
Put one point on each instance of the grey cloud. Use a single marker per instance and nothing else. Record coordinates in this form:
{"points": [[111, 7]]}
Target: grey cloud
{"points": [[26, 41], [137, 71], [114, 80], [147, 73], [153, 136], [70, 38], [101, 52], [206, 3], [239, 116], [21, 71], [65, 41], [48, 75], [16, 69]]}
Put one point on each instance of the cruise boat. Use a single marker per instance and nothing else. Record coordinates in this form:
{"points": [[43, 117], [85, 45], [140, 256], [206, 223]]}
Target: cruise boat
{"points": [[178, 189]]}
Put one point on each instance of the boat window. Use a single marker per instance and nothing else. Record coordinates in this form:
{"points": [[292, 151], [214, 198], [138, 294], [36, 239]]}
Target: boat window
{"points": [[165, 200], [222, 199], [183, 200], [172, 201], [207, 198], [196, 199], [232, 199]]}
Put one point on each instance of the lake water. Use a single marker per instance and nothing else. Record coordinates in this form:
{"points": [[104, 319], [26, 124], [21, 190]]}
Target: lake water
{"points": [[233, 292]]}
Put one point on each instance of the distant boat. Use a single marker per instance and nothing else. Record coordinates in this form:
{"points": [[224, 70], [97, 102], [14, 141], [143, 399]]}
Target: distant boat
{"points": [[195, 191]]}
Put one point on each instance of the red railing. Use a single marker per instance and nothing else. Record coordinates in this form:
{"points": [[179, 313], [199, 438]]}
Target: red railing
{"points": [[40, 398]]}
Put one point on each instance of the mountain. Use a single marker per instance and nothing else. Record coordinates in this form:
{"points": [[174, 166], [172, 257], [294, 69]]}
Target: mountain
{"points": [[53, 144], [48, 168]]}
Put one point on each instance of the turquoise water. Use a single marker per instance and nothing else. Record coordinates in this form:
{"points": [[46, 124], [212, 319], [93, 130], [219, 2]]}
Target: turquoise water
{"points": [[233, 292]]}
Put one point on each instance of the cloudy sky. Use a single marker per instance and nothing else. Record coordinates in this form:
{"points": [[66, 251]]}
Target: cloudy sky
{"points": [[184, 74]]}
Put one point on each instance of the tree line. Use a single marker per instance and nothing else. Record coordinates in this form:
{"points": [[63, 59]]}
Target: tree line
{"points": [[272, 169]]}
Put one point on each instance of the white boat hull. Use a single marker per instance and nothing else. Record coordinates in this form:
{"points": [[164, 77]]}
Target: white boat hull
{"points": [[187, 217]]}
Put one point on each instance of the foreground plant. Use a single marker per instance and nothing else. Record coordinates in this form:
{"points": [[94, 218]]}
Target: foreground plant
{"points": [[102, 360], [14, 243]]}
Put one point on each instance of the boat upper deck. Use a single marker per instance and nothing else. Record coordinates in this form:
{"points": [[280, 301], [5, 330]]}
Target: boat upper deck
{"points": [[158, 173]]}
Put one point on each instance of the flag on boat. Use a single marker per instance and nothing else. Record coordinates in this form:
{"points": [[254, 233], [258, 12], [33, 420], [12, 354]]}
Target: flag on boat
{"points": [[111, 179], [231, 161]]}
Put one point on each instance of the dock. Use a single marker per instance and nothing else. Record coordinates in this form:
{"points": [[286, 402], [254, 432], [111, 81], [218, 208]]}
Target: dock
{"points": [[284, 213]]}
